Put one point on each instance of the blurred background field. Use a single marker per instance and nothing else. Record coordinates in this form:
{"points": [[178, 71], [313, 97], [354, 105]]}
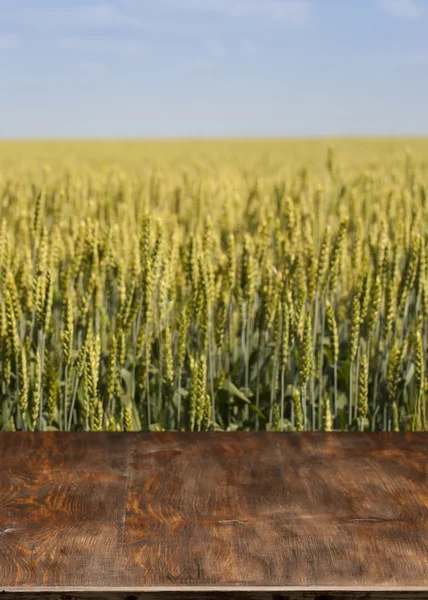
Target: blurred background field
{"points": [[274, 156]]}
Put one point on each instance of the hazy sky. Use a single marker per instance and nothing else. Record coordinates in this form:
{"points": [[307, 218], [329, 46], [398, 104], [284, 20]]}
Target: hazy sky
{"points": [[187, 68]]}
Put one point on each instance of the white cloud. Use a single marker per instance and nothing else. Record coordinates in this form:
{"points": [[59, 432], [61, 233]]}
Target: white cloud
{"points": [[102, 17], [8, 42], [161, 16], [96, 15], [122, 47], [401, 8], [296, 12]]}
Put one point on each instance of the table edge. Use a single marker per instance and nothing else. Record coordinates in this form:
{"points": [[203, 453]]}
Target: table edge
{"points": [[209, 588]]}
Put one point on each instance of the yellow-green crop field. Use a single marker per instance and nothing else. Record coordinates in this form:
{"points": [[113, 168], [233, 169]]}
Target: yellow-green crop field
{"points": [[255, 285]]}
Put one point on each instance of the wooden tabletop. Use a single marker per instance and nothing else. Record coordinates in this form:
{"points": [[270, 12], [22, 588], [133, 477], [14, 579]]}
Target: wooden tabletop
{"points": [[214, 512]]}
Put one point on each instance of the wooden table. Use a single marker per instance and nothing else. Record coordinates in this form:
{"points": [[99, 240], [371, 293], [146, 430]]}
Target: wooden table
{"points": [[210, 515]]}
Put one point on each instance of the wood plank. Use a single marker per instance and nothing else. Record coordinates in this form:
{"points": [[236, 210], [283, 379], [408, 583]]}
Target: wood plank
{"points": [[278, 510], [215, 595], [305, 515], [61, 508]]}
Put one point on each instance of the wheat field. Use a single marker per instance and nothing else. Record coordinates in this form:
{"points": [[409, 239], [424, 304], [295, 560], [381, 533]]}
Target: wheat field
{"points": [[274, 285]]}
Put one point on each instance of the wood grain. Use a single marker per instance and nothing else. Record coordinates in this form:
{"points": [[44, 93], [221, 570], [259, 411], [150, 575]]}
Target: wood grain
{"points": [[215, 595], [265, 514]]}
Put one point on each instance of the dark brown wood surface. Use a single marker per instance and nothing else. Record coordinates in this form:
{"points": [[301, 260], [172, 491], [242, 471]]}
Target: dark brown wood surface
{"points": [[231, 513]]}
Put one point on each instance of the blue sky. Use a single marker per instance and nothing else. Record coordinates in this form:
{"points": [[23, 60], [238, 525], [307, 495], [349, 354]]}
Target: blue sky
{"points": [[191, 68]]}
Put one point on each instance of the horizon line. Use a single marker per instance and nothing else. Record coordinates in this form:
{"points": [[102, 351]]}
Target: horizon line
{"points": [[213, 138]]}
